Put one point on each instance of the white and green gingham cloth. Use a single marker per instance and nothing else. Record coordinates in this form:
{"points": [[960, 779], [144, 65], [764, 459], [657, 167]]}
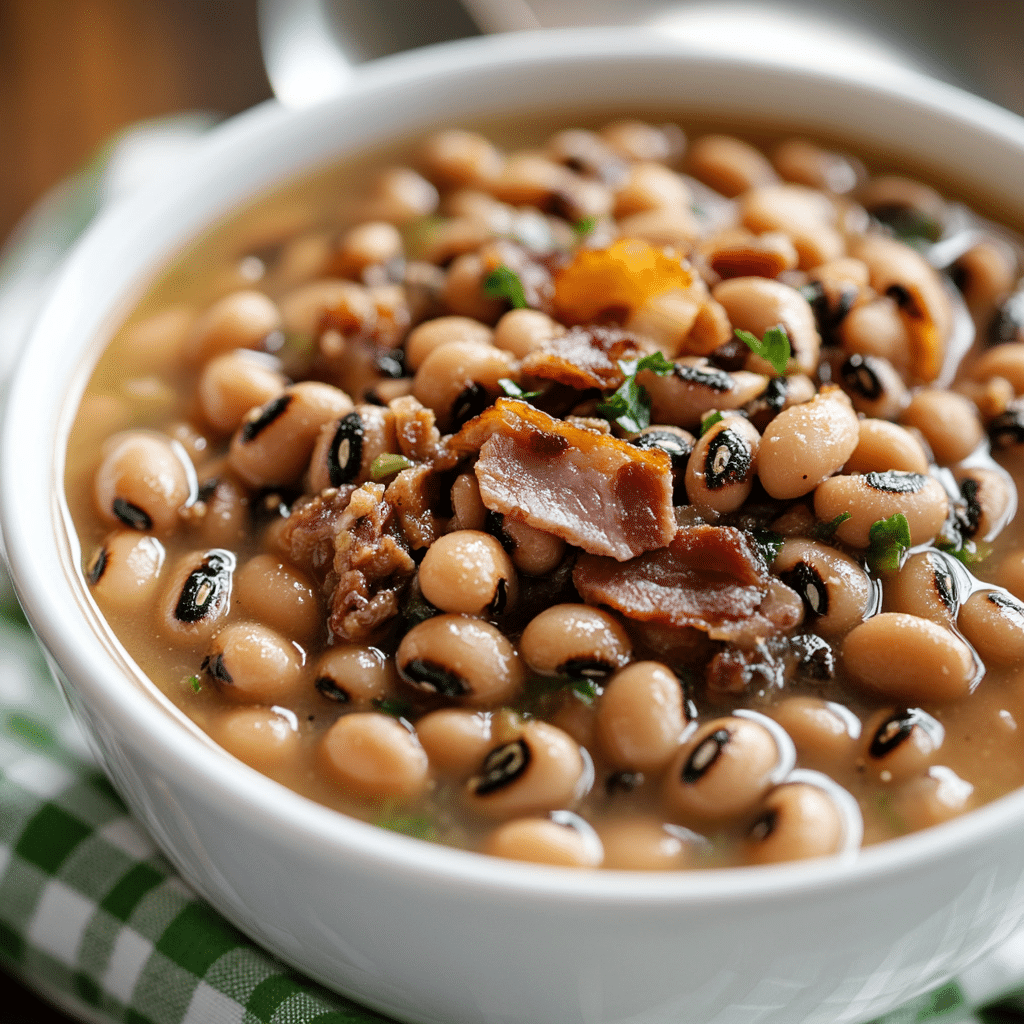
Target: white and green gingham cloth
{"points": [[95, 919]]}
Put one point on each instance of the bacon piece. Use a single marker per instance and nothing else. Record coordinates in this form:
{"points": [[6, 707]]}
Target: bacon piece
{"points": [[583, 357], [308, 536], [413, 494], [592, 490], [417, 434], [709, 577]]}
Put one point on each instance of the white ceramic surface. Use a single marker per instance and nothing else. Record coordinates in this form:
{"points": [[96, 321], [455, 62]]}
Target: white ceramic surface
{"points": [[419, 931]]}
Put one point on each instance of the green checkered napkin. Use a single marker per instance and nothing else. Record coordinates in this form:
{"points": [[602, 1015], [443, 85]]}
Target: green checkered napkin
{"points": [[98, 922]]}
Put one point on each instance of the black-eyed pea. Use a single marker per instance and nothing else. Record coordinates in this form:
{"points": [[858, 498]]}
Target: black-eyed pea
{"points": [[736, 252], [345, 306], [992, 622], [637, 140], [354, 675], [728, 165], [587, 153], [575, 640], [458, 157], [251, 664], [540, 769], [243, 319], [468, 571], [882, 446], [531, 178], [807, 444], [522, 331], [470, 511], [875, 328], [992, 397], [928, 585], [264, 738], [935, 666], [695, 388], [948, 421], [679, 445], [874, 386], [756, 303], [723, 771], [463, 290], [899, 744], [933, 798], [904, 203], [990, 499], [197, 596], [666, 319], [581, 199], [461, 659], [534, 552], [372, 243], [798, 821], [640, 717], [273, 445], [401, 195], [835, 590], [720, 471], [805, 163], [124, 570], [675, 227], [279, 595], [824, 733], [423, 339], [143, 481], [650, 186], [232, 384], [1011, 573], [562, 839], [305, 257], [646, 843], [346, 449], [375, 757], [226, 518], [985, 275], [874, 496], [806, 215], [456, 740]]}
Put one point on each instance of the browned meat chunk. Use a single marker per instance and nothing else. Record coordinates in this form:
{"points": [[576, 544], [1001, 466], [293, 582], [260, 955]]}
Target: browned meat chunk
{"points": [[583, 357]]}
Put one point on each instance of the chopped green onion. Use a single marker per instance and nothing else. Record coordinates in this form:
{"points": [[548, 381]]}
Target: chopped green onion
{"points": [[392, 706], [194, 682], [775, 346], [503, 283], [967, 551], [513, 390], [586, 689], [825, 531], [584, 227], [889, 539], [709, 421], [768, 544], [388, 464], [630, 405]]}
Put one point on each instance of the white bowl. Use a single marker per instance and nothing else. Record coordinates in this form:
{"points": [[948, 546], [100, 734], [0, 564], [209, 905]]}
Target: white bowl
{"points": [[423, 932]]}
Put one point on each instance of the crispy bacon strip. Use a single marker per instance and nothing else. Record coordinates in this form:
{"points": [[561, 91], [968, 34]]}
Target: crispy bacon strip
{"points": [[583, 357]]}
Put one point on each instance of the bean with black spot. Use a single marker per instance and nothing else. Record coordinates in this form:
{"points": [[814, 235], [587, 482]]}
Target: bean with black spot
{"points": [[900, 743], [930, 585], [468, 571], [992, 622], [798, 821], [720, 472], [834, 588], [251, 664], [575, 640], [197, 596], [123, 572]]}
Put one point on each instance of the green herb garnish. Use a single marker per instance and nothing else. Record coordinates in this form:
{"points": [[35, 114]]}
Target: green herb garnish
{"points": [[709, 421], [967, 551], [889, 539], [825, 531], [388, 464], [584, 227], [415, 825], [775, 346], [513, 390], [586, 689], [768, 544], [630, 405], [194, 682], [392, 706], [503, 283]]}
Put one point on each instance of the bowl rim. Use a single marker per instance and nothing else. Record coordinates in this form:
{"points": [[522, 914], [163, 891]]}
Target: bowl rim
{"points": [[184, 756]]}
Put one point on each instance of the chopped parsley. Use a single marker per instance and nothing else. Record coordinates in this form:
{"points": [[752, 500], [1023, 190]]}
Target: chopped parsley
{"points": [[193, 681], [774, 347], [825, 531], [392, 706], [967, 551], [416, 825], [630, 405], [768, 544], [584, 227], [504, 283], [388, 464], [586, 689], [513, 390], [889, 539], [709, 421]]}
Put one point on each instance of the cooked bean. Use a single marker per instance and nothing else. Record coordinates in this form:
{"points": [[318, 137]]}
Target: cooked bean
{"points": [[456, 740], [798, 821], [876, 496], [874, 386], [928, 585], [304, 258], [720, 471], [400, 195], [354, 675], [807, 164], [1011, 573], [469, 572], [529, 178], [124, 570], [834, 588], [577, 198], [933, 798], [462, 659], [198, 596], [460, 379], [264, 738], [640, 717], [279, 595], [985, 275], [755, 303], [736, 252], [225, 520], [252, 664], [565, 841], [372, 243], [374, 757], [522, 331], [637, 140], [242, 319], [143, 482], [876, 329], [882, 446], [804, 214], [646, 843], [992, 622], [900, 743], [422, 340], [232, 384], [587, 153], [1005, 361], [674, 227], [534, 552], [273, 445], [823, 732], [695, 388], [575, 640], [723, 771], [470, 511], [905, 204], [935, 666], [991, 500], [948, 421], [346, 449], [650, 186], [343, 305], [806, 444], [457, 157], [540, 769], [727, 164]]}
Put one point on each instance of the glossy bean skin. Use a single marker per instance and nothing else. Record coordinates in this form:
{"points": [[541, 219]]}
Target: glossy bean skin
{"points": [[1011, 573], [280, 596], [990, 497], [575, 639], [874, 386], [468, 571], [803, 213], [264, 738], [727, 164], [539, 769], [1006, 361], [695, 388], [461, 658], [251, 664], [197, 596], [346, 449], [640, 717], [646, 843], [534, 552], [546, 841], [522, 331], [354, 675], [934, 798], [374, 757], [807, 444], [835, 590], [456, 740], [824, 733], [899, 744], [992, 622], [124, 571], [721, 468], [876, 496], [935, 667], [470, 511], [928, 585], [242, 319], [232, 384], [948, 421], [882, 446], [424, 338], [461, 374], [798, 821]]}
